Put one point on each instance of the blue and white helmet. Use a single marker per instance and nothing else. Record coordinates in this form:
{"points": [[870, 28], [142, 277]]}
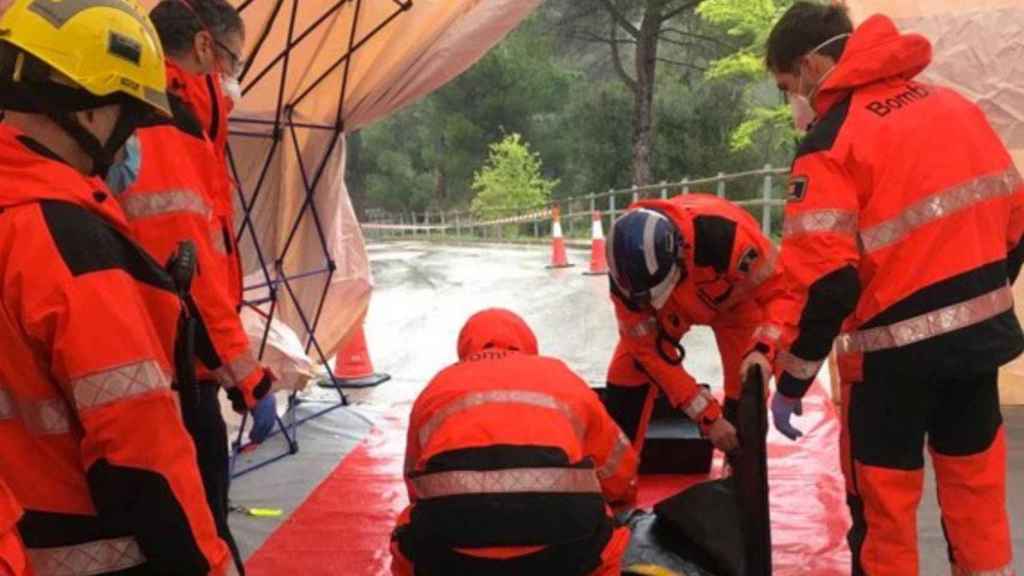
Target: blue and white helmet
{"points": [[644, 252]]}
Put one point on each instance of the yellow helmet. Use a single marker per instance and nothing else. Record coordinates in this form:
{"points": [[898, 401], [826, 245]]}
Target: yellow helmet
{"points": [[106, 47]]}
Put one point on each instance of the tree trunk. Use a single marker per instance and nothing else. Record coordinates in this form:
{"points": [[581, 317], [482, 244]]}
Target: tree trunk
{"points": [[441, 176], [643, 93], [355, 173]]}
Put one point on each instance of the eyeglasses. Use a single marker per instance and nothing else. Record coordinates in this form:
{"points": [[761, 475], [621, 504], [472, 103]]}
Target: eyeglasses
{"points": [[237, 64]]}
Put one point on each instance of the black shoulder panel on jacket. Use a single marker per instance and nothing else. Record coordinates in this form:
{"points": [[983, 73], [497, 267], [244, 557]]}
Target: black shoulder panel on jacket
{"points": [[181, 118], [215, 110], [88, 244], [184, 119], [713, 242], [825, 131]]}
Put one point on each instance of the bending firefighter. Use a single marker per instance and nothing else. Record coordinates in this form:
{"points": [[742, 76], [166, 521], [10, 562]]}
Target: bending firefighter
{"points": [[511, 464], [692, 260], [93, 443], [903, 233]]}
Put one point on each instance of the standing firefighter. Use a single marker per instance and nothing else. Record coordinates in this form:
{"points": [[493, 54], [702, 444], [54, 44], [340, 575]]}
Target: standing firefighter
{"points": [[692, 260], [511, 462], [902, 236], [93, 445], [169, 187]]}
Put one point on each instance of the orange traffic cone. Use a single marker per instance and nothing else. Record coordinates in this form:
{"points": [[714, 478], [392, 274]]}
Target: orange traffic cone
{"points": [[558, 258], [353, 368], [598, 260]]}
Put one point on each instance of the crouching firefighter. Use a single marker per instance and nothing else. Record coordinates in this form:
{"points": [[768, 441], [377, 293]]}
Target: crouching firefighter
{"points": [[692, 260], [511, 464]]}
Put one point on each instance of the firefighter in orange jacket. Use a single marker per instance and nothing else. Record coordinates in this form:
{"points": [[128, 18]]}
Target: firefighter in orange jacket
{"points": [[168, 187], [13, 561], [94, 447], [204, 41], [511, 462], [902, 236], [692, 260]]}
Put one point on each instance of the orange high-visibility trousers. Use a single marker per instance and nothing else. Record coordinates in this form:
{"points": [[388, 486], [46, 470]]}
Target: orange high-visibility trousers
{"points": [[885, 425]]}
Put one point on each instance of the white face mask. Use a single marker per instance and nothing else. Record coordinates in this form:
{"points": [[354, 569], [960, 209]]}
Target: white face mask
{"points": [[803, 112], [801, 104], [232, 89]]}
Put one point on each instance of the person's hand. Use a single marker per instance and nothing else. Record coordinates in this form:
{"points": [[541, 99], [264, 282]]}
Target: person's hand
{"points": [[722, 435], [246, 395], [783, 409]]}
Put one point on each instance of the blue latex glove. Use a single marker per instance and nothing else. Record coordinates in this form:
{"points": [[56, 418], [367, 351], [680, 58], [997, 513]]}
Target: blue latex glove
{"points": [[264, 416], [783, 408]]}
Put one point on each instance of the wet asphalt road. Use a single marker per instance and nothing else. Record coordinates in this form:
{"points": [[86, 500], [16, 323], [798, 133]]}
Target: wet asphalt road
{"points": [[425, 292]]}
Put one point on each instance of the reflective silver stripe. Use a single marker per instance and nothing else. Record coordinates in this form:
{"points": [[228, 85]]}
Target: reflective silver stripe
{"points": [[697, 406], [117, 384], [40, 417], [768, 332], [622, 445], [938, 206], [820, 222], [235, 372], [798, 367], [46, 417], [510, 481], [477, 399], [98, 557], [1004, 571], [929, 325], [147, 205]]}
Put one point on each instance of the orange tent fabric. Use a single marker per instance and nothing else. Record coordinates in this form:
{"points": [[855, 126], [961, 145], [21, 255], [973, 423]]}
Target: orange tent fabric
{"points": [[329, 67], [979, 50]]}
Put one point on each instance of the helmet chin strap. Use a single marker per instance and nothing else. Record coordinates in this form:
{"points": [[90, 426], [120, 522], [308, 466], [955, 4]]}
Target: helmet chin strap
{"points": [[102, 155]]}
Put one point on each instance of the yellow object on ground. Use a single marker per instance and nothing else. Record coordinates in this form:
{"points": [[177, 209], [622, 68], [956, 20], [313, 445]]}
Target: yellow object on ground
{"points": [[650, 570]]}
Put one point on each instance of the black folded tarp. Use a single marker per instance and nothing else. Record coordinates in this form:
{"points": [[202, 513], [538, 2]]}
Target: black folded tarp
{"points": [[727, 521]]}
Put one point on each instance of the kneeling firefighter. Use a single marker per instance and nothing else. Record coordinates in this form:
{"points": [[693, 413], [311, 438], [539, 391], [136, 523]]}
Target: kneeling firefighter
{"points": [[692, 260], [511, 464]]}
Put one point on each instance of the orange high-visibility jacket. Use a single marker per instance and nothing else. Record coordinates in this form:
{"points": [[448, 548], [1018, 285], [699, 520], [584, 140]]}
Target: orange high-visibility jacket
{"points": [[94, 447], [203, 95], [903, 224], [13, 561], [507, 454], [171, 202], [731, 273]]}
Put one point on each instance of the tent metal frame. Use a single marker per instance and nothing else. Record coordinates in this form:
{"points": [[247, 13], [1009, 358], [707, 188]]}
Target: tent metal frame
{"points": [[283, 136]]}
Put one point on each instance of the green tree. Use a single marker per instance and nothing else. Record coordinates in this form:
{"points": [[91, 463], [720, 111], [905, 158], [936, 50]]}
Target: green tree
{"points": [[640, 35], [767, 123], [423, 157], [510, 181]]}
